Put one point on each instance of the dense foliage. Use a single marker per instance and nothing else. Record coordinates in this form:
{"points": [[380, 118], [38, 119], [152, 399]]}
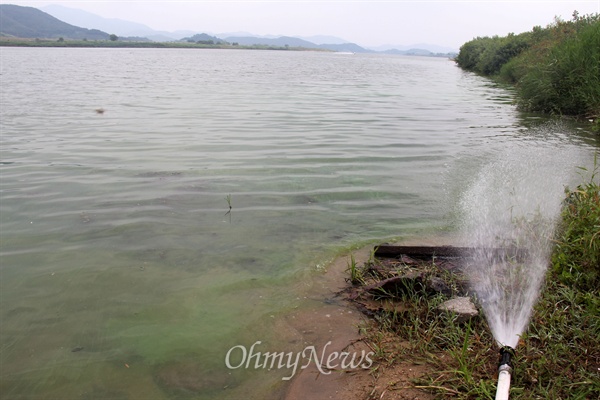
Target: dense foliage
{"points": [[555, 69]]}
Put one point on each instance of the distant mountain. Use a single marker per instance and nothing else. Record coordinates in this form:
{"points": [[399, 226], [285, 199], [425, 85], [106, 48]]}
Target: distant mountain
{"points": [[225, 35], [345, 47], [117, 26], [70, 23], [88, 20], [424, 46], [321, 39], [279, 42], [294, 42], [29, 22], [203, 37]]}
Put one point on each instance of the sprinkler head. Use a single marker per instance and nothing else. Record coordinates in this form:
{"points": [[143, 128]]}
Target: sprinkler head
{"points": [[506, 354]]}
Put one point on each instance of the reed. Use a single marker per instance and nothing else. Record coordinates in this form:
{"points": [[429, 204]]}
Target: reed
{"points": [[555, 69]]}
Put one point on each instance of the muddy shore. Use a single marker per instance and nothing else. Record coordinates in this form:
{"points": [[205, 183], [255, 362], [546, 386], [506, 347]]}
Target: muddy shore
{"points": [[336, 327]]}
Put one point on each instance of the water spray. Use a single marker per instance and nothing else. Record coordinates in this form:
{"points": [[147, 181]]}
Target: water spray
{"points": [[513, 203], [504, 371]]}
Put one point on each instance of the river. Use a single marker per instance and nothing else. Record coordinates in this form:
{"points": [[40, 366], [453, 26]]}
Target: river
{"points": [[159, 206]]}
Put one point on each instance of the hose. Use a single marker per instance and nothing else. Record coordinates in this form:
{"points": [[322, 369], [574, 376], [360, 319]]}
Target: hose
{"points": [[504, 371]]}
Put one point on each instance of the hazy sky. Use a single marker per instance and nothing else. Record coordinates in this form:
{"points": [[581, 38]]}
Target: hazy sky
{"points": [[368, 23]]}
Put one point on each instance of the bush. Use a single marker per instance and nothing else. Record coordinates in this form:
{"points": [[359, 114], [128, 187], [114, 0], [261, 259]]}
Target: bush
{"points": [[470, 53], [555, 69], [499, 51], [487, 55], [567, 80]]}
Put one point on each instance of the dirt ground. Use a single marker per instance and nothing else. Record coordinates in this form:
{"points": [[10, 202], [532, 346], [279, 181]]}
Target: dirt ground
{"points": [[339, 323]]}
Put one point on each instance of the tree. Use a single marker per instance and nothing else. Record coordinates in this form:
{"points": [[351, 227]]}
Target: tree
{"points": [[113, 37]]}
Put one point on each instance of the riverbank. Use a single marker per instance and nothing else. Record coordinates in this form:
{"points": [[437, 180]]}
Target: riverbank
{"points": [[554, 69], [346, 328], [422, 353]]}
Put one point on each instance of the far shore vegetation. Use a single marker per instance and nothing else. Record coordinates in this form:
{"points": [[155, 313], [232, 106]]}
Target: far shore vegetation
{"points": [[115, 42], [555, 70]]}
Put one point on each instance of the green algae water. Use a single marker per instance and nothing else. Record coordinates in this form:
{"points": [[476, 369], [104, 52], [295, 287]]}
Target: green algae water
{"points": [[124, 272]]}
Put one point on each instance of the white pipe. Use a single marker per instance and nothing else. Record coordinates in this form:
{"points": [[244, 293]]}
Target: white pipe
{"points": [[503, 382]]}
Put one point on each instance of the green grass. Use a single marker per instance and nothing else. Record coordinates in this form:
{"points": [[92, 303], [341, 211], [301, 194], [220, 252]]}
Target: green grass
{"points": [[576, 261], [559, 355], [356, 274]]}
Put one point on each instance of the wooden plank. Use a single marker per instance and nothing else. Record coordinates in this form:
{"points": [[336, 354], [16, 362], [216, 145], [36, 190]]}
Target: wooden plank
{"points": [[391, 251], [428, 252]]}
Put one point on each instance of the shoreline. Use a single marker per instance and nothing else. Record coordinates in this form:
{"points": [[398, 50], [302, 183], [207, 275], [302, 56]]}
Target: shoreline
{"points": [[340, 323], [336, 323]]}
